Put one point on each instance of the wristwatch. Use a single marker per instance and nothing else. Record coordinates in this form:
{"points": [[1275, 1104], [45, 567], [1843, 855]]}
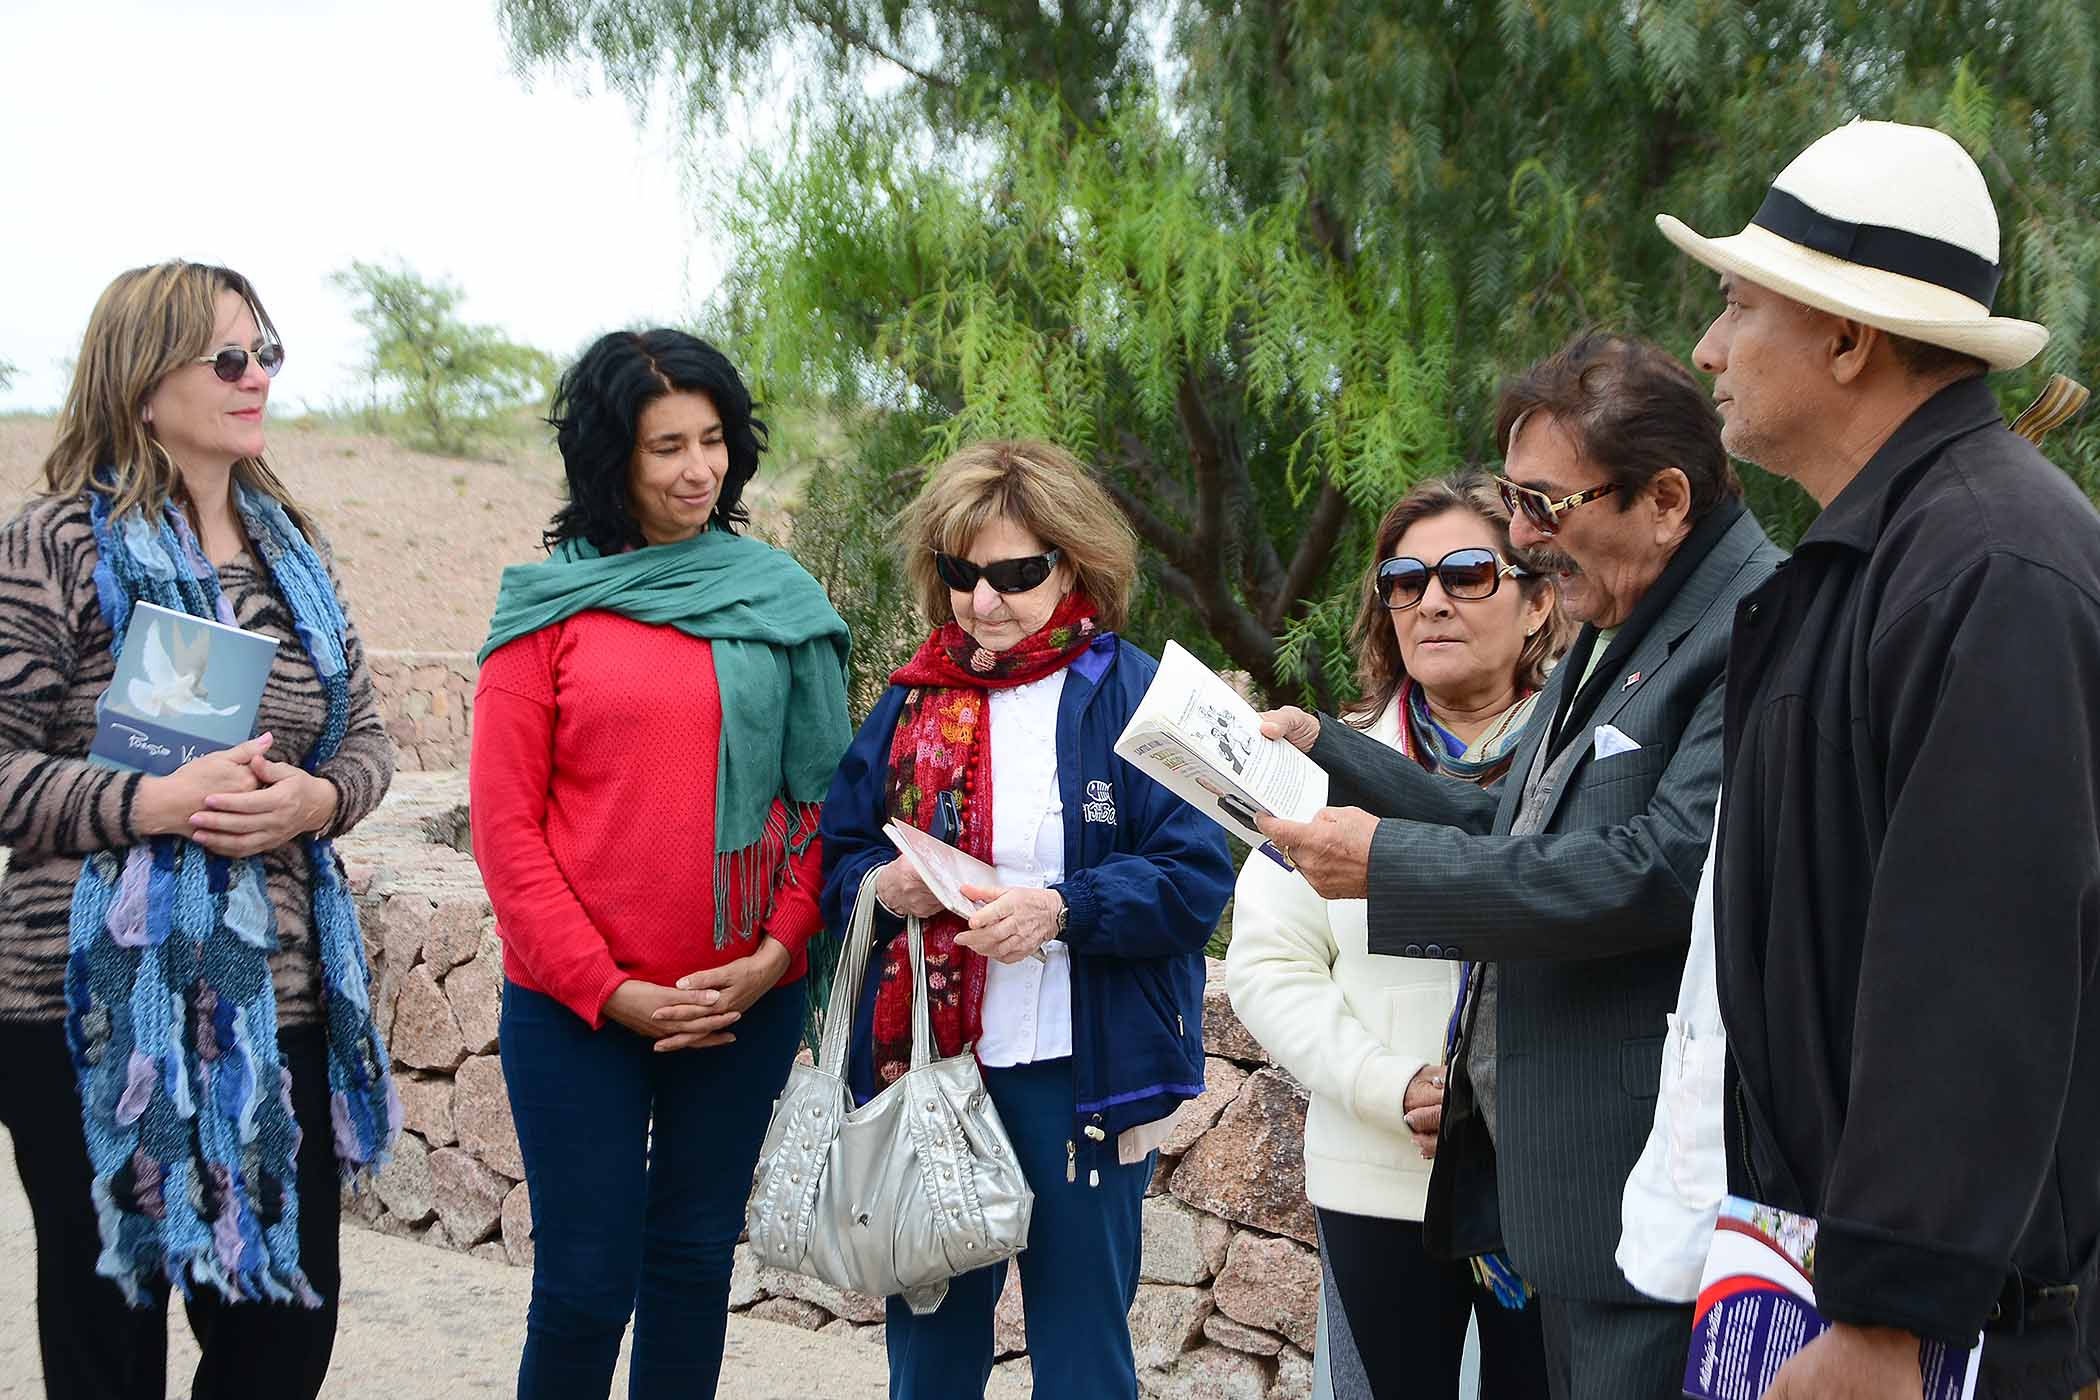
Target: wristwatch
{"points": [[1064, 914]]}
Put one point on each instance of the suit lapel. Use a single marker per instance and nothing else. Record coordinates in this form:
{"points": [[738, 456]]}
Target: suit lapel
{"points": [[1687, 611], [1519, 773]]}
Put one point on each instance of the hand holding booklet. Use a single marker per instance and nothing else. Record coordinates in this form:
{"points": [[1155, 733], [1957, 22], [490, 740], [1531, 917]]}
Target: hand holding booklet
{"points": [[1757, 1307], [945, 869], [1194, 735], [184, 687]]}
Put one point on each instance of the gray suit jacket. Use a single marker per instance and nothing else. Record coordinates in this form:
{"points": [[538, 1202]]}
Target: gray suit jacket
{"points": [[1589, 919]]}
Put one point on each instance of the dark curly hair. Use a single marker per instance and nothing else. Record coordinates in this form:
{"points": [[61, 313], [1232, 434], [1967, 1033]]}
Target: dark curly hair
{"points": [[595, 414]]}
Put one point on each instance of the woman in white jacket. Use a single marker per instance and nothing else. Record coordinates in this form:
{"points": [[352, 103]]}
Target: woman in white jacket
{"points": [[1453, 643]]}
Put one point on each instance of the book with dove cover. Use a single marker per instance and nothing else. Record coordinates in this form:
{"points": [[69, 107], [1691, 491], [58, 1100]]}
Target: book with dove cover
{"points": [[184, 687]]}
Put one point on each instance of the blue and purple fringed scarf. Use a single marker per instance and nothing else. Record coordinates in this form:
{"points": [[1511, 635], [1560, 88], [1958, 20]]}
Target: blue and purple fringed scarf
{"points": [[170, 1012]]}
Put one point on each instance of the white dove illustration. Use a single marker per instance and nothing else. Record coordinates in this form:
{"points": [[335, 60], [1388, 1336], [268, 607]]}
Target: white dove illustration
{"points": [[165, 690]]}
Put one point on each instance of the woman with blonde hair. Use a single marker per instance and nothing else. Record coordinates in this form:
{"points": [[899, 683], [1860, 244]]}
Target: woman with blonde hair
{"points": [[1080, 980], [193, 1065], [1453, 641]]}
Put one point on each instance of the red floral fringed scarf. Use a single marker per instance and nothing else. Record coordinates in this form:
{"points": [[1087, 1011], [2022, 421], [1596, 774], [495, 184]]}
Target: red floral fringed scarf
{"points": [[942, 744]]}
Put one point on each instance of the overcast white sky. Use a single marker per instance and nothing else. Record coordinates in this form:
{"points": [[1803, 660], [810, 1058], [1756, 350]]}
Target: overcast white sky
{"points": [[286, 137]]}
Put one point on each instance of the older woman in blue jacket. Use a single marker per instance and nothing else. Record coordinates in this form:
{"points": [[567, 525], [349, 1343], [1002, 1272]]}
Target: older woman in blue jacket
{"points": [[1080, 981]]}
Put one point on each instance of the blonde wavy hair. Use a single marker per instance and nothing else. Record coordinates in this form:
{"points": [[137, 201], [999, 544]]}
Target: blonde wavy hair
{"points": [[1039, 487], [148, 323]]}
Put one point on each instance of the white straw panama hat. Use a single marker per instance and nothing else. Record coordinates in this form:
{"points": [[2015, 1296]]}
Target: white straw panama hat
{"points": [[1882, 223]]}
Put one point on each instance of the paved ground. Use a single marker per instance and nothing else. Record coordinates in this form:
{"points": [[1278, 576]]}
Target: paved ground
{"points": [[422, 1322]]}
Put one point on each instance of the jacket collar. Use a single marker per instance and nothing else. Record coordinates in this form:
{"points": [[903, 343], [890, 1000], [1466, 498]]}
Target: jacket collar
{"points": [[1664, 613], [1856, 518], [1709, 572]]}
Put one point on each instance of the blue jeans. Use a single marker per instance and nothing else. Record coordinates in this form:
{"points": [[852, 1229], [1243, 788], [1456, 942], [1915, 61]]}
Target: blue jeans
{"points": [[1079, 1274], [638, 1165]]}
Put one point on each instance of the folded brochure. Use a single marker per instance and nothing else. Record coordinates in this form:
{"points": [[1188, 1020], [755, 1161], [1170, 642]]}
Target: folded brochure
{"points": [[945, 869], [184, 687], [1194, 735], [1757, 1307]]}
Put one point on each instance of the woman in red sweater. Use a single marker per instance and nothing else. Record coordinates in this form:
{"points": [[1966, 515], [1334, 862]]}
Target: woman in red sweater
{"points": [[661, 704]]}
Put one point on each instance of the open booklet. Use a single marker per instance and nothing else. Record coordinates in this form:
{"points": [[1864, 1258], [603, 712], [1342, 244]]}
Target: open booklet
{"points": [[1195, 736], [1757, 1307], [945, 869]]}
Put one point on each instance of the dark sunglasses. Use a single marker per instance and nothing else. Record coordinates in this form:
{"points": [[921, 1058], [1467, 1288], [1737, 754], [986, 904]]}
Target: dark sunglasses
{"points": [[1469, 574], [1542, 510], [232, 362], [1004, 575]]}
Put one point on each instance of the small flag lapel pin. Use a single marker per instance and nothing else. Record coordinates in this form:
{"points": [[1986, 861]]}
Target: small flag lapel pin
{"points": [[1632, 681]]}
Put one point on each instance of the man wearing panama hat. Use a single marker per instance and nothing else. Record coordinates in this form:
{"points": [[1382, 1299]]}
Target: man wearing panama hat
{"points": [[1907, 891]]}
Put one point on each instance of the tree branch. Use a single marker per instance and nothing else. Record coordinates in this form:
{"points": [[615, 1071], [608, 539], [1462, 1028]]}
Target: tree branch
{"points": [[1315, 549], [1170, 542], [1206, 453], [856, 37], [1329, 233], [1191, 573], [1137, 458]]}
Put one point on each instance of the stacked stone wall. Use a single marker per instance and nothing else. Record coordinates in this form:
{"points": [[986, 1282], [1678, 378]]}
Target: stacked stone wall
{"points": [[428, 700], [456, 1179], [1227, 1305]]}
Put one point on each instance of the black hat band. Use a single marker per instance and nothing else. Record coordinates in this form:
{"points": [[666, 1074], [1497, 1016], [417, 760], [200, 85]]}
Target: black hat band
{"points": [[1894, 250]]}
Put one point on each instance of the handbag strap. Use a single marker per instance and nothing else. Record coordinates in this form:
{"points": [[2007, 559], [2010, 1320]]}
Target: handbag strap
{"points": [[846, 982], [921, 1015], [853, 971]]}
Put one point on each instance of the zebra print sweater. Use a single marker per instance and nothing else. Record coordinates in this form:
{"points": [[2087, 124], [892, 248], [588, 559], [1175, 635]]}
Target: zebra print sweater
{"points": [[55, 807]]}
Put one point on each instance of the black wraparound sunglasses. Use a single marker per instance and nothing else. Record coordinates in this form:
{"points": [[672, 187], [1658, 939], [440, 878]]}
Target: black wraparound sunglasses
{"points": [[232, 362], [1468, 574], [1004, 575]]}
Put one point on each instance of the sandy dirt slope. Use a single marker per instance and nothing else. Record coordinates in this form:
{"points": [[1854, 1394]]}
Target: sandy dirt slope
{"points": [[419, 539]]}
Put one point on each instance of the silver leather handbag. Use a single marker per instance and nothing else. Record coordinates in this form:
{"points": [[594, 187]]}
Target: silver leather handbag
{"points": [[900, 1195]]}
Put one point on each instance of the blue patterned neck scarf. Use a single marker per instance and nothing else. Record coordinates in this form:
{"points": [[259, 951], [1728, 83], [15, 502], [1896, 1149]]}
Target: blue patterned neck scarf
{"points": [[170, 1011]]}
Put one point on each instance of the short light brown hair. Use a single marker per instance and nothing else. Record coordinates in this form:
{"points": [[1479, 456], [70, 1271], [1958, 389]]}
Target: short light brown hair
{"points": [[1039, 487], [1379, 669], [148, 323]]}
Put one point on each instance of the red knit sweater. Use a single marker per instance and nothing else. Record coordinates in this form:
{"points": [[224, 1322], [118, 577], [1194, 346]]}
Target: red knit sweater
{"points": [[593, 794]]}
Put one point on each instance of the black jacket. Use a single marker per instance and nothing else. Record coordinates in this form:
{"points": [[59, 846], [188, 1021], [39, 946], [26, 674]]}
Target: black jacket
{"points": [[1908, 896]]}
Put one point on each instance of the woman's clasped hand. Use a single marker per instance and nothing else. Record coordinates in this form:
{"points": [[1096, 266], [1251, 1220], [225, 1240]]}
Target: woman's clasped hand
{"points": [[1012, 924]]}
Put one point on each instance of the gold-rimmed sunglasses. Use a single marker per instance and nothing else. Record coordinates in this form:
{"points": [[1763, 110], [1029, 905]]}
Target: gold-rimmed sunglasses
{"points": [[1540, 509]]}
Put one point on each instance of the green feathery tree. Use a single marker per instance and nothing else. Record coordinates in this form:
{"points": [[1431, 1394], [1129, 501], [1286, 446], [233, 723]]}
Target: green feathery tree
{"points": [[1264, 261], [451, 379]]}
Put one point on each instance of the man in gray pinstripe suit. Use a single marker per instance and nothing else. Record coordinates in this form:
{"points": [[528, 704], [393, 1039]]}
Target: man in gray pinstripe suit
{"points": [[1567, 887]]}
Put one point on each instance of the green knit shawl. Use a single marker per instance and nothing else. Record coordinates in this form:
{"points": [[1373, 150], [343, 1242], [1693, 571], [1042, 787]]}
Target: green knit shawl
{"points": [[780, 652]]}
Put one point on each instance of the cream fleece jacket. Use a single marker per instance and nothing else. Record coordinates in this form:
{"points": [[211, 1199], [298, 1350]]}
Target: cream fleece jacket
{"points": [[1353, 1029]]}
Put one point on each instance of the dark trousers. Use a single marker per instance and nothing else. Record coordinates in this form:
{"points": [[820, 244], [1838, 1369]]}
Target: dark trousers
{"points": [[95, 1346], [1404, 1316], [1616, 1351], [638, 1165], [1079, 1274]]}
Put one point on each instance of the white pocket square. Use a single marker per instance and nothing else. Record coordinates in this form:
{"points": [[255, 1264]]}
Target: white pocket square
{"points": [[1610, 740]]}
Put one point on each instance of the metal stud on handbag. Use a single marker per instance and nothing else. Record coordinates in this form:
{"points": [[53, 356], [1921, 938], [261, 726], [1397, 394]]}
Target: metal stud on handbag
{"points": [[900, 1195]]}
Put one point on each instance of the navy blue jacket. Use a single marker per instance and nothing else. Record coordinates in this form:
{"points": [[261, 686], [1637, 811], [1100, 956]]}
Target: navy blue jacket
{"points": [[1146, 878]]}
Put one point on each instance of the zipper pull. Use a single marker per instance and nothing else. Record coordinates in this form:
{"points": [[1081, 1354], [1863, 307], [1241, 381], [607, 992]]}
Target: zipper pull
{"points": [[1093, 1178], [1071, 1161]]}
